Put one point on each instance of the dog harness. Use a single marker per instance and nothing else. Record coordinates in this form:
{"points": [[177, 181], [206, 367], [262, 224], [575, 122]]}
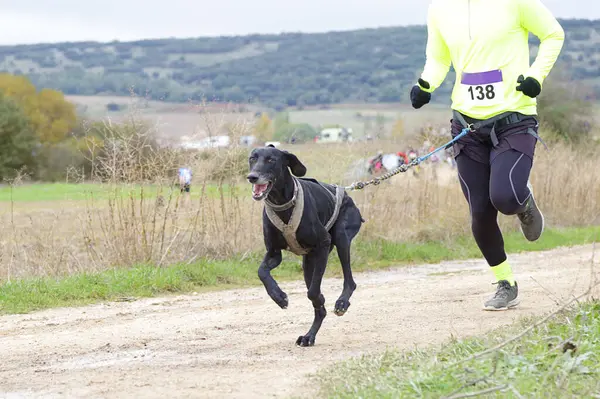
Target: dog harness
{"points": [[289, 230]]}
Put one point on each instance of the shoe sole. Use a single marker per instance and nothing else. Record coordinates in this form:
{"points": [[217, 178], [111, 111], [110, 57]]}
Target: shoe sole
{"points": [[530, 187], [512, 304]]}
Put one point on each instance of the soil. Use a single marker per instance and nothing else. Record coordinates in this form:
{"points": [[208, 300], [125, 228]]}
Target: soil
{"points": [[238, 343]]}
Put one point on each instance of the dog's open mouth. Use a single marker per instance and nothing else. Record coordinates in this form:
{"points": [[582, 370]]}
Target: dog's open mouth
{"points": [[260, 191]]}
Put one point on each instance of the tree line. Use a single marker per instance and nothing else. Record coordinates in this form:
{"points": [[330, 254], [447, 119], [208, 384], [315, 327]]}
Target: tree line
{"points": [[293, 69]]}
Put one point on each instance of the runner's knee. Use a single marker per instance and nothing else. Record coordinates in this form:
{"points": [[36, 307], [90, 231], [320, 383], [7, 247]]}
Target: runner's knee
{"points": [[506, 202], [509, 176]]}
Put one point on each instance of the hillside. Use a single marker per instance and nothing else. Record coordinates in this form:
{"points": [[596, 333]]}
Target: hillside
{"points": [[369, 65]]}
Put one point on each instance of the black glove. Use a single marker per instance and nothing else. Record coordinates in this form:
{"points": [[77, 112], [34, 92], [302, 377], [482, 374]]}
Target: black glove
{"points": [[530, 87], [418, 97]]}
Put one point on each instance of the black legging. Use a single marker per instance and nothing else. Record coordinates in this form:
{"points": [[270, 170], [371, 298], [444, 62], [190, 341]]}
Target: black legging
{"points": [[489, 189]]}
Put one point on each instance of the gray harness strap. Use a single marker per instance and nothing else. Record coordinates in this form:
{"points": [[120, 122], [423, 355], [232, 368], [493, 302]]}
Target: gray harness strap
{"points": [[289, 230], [339, 196]]}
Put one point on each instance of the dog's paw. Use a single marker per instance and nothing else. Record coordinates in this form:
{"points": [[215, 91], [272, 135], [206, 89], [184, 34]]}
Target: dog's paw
{"points": [[305, 340], [279, 297], [341, 306]]}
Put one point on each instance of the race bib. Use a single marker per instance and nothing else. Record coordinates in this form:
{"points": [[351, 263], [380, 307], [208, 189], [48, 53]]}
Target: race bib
{"points": [[483, 88]]}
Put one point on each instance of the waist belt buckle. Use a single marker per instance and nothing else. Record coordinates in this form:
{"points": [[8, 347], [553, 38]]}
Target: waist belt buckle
{"points": [[512, 118]]}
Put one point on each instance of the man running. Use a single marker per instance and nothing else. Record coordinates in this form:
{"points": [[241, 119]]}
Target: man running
{"points": [[486, 41]]}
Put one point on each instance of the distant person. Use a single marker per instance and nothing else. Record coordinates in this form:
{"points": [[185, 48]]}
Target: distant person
{"points": [[403, 158], [185, 181], [376, 163], [487, 44]]}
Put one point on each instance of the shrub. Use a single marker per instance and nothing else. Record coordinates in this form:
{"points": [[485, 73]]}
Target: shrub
{"points": [[54, 162], [18, 141], [563, 111], [128, 152]]}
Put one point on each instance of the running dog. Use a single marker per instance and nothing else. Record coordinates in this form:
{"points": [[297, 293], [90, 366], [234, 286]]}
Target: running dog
{"points": [[307, 218]]}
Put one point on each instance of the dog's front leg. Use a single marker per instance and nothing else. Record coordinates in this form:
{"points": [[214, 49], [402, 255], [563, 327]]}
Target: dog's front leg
{"points": [[314, 264], [271, 261]]}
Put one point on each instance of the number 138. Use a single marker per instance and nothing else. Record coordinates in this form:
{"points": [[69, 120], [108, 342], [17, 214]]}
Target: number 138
{"points": [[483, 92]]}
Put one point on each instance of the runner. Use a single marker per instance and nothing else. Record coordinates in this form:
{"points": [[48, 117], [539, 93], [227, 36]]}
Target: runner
{"points": [[185, 180], [487, 44]]}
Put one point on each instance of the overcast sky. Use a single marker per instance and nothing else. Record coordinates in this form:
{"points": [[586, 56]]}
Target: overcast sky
{"points": [[35, 21]]}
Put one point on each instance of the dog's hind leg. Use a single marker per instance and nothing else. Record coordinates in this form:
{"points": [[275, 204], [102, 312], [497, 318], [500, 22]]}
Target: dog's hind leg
{"points": [[314, 264], [343, 233], [343, 302], [271, 260]]}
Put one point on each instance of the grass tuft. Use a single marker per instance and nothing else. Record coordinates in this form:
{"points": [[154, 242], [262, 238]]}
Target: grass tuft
{"points": [[557, 359]]}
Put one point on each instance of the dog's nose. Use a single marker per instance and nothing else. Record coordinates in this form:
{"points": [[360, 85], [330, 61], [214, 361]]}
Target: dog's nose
{"points": [[252, 177]]}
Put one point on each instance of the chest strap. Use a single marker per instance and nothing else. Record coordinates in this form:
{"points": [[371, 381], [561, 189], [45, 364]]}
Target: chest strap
{"points": [[337, 198], [289, 230]]}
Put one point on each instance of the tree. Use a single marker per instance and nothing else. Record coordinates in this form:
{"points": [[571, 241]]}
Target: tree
{"points": [[113, 107], [50, 115], [17, 140], [277, 71], [263, 130]]}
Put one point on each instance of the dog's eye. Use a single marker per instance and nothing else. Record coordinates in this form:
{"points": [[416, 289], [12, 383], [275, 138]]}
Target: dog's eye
{"points": [[252, 159], [270, 160]]}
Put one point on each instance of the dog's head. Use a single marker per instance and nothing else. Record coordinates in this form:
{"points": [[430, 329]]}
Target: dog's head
{"points": [[268, 166]]}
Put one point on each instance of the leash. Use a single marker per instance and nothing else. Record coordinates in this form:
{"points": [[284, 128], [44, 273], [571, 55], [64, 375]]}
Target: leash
{"points": [[359, 185]]}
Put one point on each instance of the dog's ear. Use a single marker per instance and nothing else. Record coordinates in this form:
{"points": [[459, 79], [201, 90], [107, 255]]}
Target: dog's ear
{"points": [[297, 168]]}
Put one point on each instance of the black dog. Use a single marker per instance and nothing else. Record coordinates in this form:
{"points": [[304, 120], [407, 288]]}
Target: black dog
{"points": [[305, 217]]}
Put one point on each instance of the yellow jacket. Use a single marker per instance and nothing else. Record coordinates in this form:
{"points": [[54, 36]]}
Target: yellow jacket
{"points": [[487, 43]]}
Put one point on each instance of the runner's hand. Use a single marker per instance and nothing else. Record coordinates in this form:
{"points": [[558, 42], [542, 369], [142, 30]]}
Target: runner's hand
{"points": [[418, 97], [529, 86]]}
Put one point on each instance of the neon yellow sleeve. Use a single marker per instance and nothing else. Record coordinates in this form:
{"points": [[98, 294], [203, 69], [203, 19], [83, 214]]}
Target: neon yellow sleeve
{"points": [[438, 60], [537, 19]]}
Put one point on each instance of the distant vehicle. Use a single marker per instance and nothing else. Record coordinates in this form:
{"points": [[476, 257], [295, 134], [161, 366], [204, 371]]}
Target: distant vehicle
{"points": [[208, 142], [334, 135]]}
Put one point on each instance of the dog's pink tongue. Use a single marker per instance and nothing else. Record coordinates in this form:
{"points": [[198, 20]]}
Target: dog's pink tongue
{"points": [[258, 189]]}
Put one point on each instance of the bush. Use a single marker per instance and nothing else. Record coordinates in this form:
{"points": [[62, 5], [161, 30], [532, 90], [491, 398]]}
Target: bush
{"points": [[114, 107], [294, 132], [128, 152], [226, 164], [18, 141], [54, 162], [563, 111]]}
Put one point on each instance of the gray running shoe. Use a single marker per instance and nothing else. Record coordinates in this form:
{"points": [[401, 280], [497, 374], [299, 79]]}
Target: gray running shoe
{"points": [[506, 297], [532, 220]]}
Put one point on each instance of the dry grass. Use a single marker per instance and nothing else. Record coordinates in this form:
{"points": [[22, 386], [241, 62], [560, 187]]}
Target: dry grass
{"points": [[151, 225]]}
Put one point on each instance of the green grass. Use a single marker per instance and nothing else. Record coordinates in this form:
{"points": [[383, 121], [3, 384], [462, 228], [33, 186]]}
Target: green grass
{"points": [[542, 364], [25, 295], [67, 191]]}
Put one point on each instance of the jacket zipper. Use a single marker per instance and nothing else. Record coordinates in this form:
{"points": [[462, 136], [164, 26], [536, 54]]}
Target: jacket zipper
{"points": [[469, 17]]}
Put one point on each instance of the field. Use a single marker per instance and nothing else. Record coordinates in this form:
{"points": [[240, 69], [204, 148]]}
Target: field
{"points": [[198, 120], [81, 242]]}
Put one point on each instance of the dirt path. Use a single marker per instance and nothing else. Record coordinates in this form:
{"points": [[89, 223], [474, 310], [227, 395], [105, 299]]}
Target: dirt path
{"points": [[240, 344]]}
